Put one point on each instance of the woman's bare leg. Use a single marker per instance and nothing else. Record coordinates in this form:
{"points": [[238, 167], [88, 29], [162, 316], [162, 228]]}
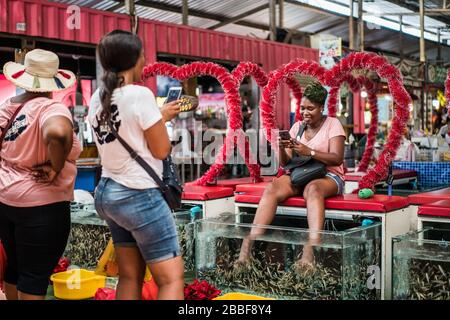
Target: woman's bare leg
{"points": [[131, 273], [277, 191], [169, 277], [315, 194]]}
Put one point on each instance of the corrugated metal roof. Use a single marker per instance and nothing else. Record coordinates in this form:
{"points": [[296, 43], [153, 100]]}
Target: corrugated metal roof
{"points": [[225, 7], [295, 17]]}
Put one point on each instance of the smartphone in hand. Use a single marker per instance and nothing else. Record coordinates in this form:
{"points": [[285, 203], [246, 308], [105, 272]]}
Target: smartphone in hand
{"points": [[285, 135], [174, 94]]}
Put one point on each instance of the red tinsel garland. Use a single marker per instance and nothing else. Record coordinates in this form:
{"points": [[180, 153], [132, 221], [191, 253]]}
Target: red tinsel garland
{"points": [[286, 74], [373, 128], [334, 78], [296, 89], [447, 92], [232, 98], [370, 61], [356, 84]]}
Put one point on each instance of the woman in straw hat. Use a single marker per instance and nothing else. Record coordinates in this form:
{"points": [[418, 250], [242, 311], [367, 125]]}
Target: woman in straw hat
{"points": [[38, 150]]}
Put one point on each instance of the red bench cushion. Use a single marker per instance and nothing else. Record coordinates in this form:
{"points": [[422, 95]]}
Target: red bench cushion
{"points": [[428, 197], [233, 183], [201, 193], [398, 174], [249, 187], [438, 209], [348, 202]]}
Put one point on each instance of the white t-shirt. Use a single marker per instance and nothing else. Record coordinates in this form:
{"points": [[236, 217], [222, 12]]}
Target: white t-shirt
{"points": [[134, 110]]}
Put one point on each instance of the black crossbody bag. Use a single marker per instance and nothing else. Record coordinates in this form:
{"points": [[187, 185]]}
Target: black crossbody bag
{"points": [[304, 169], [170, 185]]}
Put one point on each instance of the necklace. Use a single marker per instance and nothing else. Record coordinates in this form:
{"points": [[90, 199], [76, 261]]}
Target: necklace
{"points": [[317, 129]]}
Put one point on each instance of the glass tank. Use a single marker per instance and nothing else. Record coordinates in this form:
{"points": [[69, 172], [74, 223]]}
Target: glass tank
{"points": [[88, 236], [287, 261], [185, 223], [421, 265]]}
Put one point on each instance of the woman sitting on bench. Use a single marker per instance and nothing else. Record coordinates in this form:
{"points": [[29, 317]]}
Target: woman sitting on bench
{"points": [[323, 139]]}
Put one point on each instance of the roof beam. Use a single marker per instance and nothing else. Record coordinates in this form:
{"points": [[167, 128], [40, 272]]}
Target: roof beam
{"points": [[198, 13], [307, 23], [312, 8], [429, 12], [239, 17], [330, 26], [375, 42], [407, 5]]}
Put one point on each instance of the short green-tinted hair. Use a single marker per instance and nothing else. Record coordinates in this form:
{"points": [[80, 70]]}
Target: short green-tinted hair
{"points": [[316, 93]]}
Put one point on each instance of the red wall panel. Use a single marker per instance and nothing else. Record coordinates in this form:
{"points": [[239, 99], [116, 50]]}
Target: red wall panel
{"points": [[147, 31], [194, 39], [174, 40], [33, 25], [48, 24], [3, 16], [161, 38], [184, 41]]}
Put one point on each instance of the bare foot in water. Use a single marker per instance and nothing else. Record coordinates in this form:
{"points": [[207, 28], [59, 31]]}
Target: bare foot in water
{"points": [[306, 263], [244, 254]]}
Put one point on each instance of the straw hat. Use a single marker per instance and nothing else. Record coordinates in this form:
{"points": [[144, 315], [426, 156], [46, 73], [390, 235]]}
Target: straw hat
{"points": [[40, 73]]}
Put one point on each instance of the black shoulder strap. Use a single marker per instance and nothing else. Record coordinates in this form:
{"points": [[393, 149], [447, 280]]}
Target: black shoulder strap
{"points": [[9, 124], [301, 130], [138, 158]]}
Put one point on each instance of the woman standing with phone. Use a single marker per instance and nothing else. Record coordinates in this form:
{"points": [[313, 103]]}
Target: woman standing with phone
{"points": [[141, 223]]}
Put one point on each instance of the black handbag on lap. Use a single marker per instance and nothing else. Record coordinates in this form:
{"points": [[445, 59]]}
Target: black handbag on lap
{"points": [[304, 169], [170, 185]]}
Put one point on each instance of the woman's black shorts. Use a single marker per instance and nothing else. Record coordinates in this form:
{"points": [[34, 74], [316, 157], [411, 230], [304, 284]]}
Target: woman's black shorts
{"points": [[34, 239]]}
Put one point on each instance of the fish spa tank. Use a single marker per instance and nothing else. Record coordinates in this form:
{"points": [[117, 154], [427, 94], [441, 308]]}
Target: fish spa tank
{"points": [[421, 265], [347, 258], [89, 235], [185, 224], [407, 189]]}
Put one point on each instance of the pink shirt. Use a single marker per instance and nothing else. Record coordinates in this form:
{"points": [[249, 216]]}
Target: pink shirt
{"points": [[331, 128], [24, 148]]}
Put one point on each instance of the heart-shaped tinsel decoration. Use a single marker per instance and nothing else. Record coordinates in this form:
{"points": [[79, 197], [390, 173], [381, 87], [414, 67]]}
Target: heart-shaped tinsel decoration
{"points": [[334, 78]]}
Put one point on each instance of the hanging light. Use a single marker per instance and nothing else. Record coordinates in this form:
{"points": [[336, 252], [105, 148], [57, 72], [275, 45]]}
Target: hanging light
{"points": [[363, 94]]}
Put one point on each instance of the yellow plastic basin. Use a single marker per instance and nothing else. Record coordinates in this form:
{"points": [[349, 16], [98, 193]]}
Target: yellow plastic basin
{"points": [[240, 296], [76, 284]]}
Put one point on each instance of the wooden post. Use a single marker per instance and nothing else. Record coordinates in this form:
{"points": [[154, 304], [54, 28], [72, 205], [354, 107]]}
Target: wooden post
{"points": [[401, 37], [439, 48], [423, 57], [360, 25], [273, 19], [281, 14], [351, 28], [131, 11], [185, 12]]}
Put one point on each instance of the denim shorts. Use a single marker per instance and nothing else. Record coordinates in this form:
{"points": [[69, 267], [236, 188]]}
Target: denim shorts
{"points": [[139, 218], [339, 182]]}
